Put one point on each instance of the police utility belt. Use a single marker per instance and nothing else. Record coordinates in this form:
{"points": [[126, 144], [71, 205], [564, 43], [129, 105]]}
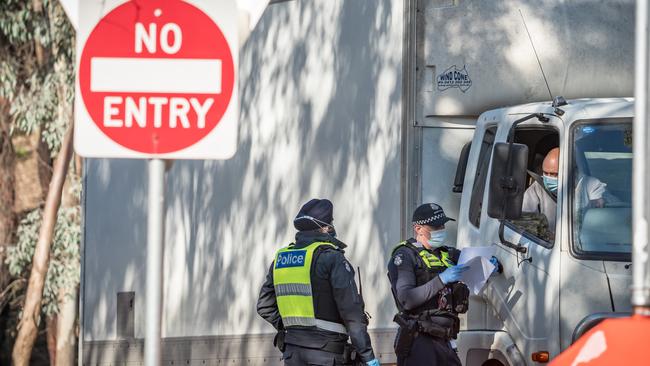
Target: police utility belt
{"points": [[431, 322], [347, 350], [435, 323]]}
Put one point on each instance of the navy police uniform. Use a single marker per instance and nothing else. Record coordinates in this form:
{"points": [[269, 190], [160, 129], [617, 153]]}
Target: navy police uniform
{"points": [[428, 309], [311, 298]]}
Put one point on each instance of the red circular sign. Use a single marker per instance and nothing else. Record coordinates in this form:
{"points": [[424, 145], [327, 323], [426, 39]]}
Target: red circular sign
{"points": [[156, 76]]}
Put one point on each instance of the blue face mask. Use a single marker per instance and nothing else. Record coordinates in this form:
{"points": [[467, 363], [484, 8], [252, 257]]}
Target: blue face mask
{"points": [[437, 238], [550, 183]]}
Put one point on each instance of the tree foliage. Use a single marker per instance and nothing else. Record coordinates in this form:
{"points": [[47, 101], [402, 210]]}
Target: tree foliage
{"points": [[37, 79], [63, 271], [37, 63], [37, 66]]}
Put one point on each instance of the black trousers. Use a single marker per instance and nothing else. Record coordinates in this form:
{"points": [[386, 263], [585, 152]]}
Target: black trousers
{"points": [[429, 351], [298, 356]]}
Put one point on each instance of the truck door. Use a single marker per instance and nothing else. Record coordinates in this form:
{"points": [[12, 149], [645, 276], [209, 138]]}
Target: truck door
{"points": [[524, 298]]}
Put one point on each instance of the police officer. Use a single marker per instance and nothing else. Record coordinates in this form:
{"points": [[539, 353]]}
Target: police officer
{"points": [[311, 298], [424, 281]]}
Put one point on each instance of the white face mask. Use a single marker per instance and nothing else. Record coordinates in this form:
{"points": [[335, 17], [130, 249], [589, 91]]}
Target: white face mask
{"points": [[438, 238]]}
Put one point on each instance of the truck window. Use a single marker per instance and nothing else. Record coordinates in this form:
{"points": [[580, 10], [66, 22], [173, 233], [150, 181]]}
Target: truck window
{"points": [[601, 193], [476, 201], [537, 221]]}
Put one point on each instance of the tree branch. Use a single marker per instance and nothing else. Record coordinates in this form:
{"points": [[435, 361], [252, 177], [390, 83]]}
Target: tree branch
{"points": [[31, 312]]}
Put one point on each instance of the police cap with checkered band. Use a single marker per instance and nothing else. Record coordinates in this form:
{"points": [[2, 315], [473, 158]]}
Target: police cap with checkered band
{"points": [[430, 214]]}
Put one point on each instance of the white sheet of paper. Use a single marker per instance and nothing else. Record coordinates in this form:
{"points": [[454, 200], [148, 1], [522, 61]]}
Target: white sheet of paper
{"points": [[480, 268]]}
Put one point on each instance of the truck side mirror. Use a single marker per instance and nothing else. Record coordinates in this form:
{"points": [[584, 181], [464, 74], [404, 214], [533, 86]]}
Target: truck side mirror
{"points": [[507, 180]]}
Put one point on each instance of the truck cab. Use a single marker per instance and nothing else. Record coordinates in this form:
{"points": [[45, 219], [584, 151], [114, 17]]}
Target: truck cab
{"points": [[558, 279]]}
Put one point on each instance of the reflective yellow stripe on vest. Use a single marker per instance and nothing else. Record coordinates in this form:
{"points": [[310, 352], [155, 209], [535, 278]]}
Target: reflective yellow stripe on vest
{"points": [[430, 259], [293, 291]]}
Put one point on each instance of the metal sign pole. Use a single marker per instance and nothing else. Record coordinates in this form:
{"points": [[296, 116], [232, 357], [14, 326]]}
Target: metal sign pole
{"points": [[641, 183], [154, 262]]}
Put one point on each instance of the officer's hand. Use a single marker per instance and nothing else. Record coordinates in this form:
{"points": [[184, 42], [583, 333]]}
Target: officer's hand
{"points": [[497, 265], [453, 273], [374, 362]]}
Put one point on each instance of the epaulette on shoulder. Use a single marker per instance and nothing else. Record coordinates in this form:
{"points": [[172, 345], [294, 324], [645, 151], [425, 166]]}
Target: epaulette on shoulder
{"points": [[403, 244], [333, 246]]}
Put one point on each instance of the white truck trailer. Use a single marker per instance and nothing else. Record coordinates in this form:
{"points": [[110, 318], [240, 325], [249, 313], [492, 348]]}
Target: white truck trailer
{"points": [[369, 103]]}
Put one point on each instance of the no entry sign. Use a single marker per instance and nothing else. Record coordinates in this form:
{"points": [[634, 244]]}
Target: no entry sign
{"points": [[157, 78]]}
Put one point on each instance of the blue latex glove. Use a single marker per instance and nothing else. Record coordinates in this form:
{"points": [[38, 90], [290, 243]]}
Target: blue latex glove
{"points": [[495, 262], [453, 273], [374, 362]]}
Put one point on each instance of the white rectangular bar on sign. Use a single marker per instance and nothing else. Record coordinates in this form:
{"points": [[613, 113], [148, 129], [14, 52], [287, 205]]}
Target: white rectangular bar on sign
{"points": [[157, 75]]}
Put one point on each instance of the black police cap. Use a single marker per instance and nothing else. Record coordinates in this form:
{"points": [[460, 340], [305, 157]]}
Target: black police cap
{"points": [[430, 214]]}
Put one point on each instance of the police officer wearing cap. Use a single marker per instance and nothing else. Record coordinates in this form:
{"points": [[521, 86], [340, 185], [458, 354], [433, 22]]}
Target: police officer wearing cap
{"points": [[424, 281], [311, 298]]}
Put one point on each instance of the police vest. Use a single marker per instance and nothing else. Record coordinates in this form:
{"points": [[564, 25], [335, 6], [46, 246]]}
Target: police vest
{"points": [[427, 268], [304, 300]]}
